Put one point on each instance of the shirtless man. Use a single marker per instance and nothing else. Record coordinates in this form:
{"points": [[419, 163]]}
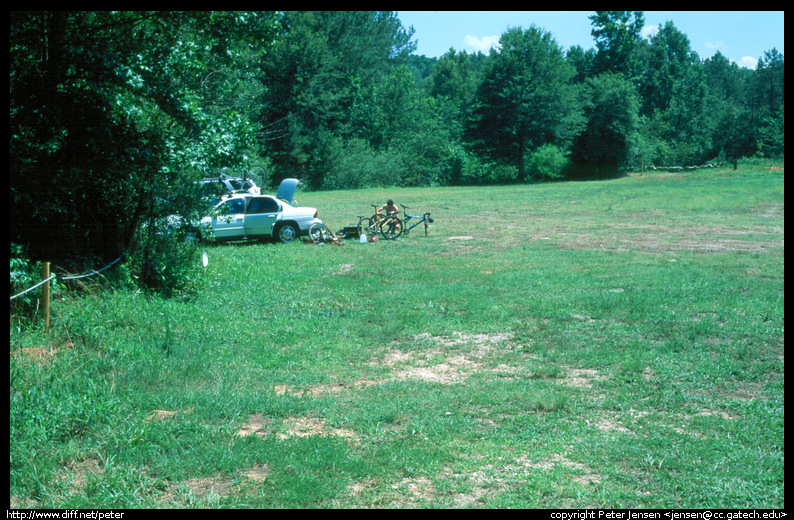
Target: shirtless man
{"points": [[390, 208]]}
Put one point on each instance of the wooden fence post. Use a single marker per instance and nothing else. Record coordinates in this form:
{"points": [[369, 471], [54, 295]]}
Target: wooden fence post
{"points": [[45, 295]]}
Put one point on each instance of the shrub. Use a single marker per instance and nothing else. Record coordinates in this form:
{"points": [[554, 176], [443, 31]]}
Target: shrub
{"points": [[163, 262], [24, 274], [546, 163], [355, 164], [472, 171]]}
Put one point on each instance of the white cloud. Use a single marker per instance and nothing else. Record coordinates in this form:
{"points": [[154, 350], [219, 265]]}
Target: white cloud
{"points": [[719, 44], [484, 44], [748, 62], [649, 30]]}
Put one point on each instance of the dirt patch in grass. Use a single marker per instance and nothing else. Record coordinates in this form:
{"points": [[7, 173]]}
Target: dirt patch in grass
{"points": [[262, 426], [609, 425], [454, 368], [323, 389], [309, 426], [78, 473], [469, 487], [583, 473], [717, 413], [41, 355], [407, 493], [443, 373], [582, 377], [434, 364], [203, 487], [506, 473], [344, 269], [257, 424], [162, 415], [257, 473], [410, 490]]}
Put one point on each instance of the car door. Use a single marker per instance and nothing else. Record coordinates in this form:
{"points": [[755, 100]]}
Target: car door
{"points": [[261, 216], [228, 220]]}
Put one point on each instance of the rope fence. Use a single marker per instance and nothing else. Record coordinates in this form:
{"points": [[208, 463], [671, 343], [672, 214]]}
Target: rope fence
{"points": [[31, 288], [92, 273], [679, 168]]}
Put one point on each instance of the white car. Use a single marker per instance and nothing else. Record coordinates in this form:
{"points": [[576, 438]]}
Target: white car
{"points": [[243, 216]]}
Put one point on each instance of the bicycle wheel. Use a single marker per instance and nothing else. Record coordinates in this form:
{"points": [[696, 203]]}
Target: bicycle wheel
{"points": [[391, 228], [363, 226], [319, 233]]}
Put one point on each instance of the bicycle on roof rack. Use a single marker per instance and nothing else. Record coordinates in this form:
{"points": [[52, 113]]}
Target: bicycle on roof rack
{"points": [[393, 226], [224, 183]]}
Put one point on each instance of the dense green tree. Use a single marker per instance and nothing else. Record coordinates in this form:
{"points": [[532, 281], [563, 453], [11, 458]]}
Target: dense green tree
{"points": [[732, 136], [667, 59], [769, 82], [422, 67], [526, 99], [691, 120], [398, 120], [771, 134], [766, 101], [454, 77], [725, 80], [610, 137], [583, 61], [393, 108], [682, 111], [617, 35], [316, 78]]}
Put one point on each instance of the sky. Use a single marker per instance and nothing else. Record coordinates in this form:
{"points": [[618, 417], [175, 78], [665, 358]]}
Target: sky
{"points": [[741, 36]]}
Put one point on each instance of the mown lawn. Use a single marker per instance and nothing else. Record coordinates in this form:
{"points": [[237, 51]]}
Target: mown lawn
{"points": [[595, 344]]}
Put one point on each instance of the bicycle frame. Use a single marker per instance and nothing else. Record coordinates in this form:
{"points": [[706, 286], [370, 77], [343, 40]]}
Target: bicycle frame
{"points": [[373, 223], [394, 226], [424, 219]]}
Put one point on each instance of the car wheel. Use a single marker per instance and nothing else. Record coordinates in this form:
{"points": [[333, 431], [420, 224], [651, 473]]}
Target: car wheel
{"points": [[287, 233]]}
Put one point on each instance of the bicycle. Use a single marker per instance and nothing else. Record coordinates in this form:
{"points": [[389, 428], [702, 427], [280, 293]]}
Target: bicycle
{"points": [[392, 227], [369, 225], [320, 234]]}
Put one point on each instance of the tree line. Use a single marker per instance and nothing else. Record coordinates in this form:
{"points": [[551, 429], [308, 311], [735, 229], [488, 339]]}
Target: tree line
{"points": [[115, 115]]}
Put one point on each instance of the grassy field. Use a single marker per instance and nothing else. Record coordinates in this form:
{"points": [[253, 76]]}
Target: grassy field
{"points": [[595, 344]]}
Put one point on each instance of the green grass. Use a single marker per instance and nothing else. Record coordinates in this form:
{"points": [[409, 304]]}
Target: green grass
{"points": [[598, 344]]}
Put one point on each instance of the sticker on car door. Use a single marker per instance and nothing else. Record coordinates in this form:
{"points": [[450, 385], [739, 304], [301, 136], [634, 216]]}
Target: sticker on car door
{"points": [[229, 221]]}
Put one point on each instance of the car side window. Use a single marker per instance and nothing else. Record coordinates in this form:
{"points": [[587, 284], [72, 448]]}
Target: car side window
{"points": [[230, 207], [236, 206], [262, 205]]}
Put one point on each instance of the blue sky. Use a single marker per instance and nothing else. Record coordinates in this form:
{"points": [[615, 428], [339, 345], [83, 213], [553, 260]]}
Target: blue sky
{"points": [[741, 36]]}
